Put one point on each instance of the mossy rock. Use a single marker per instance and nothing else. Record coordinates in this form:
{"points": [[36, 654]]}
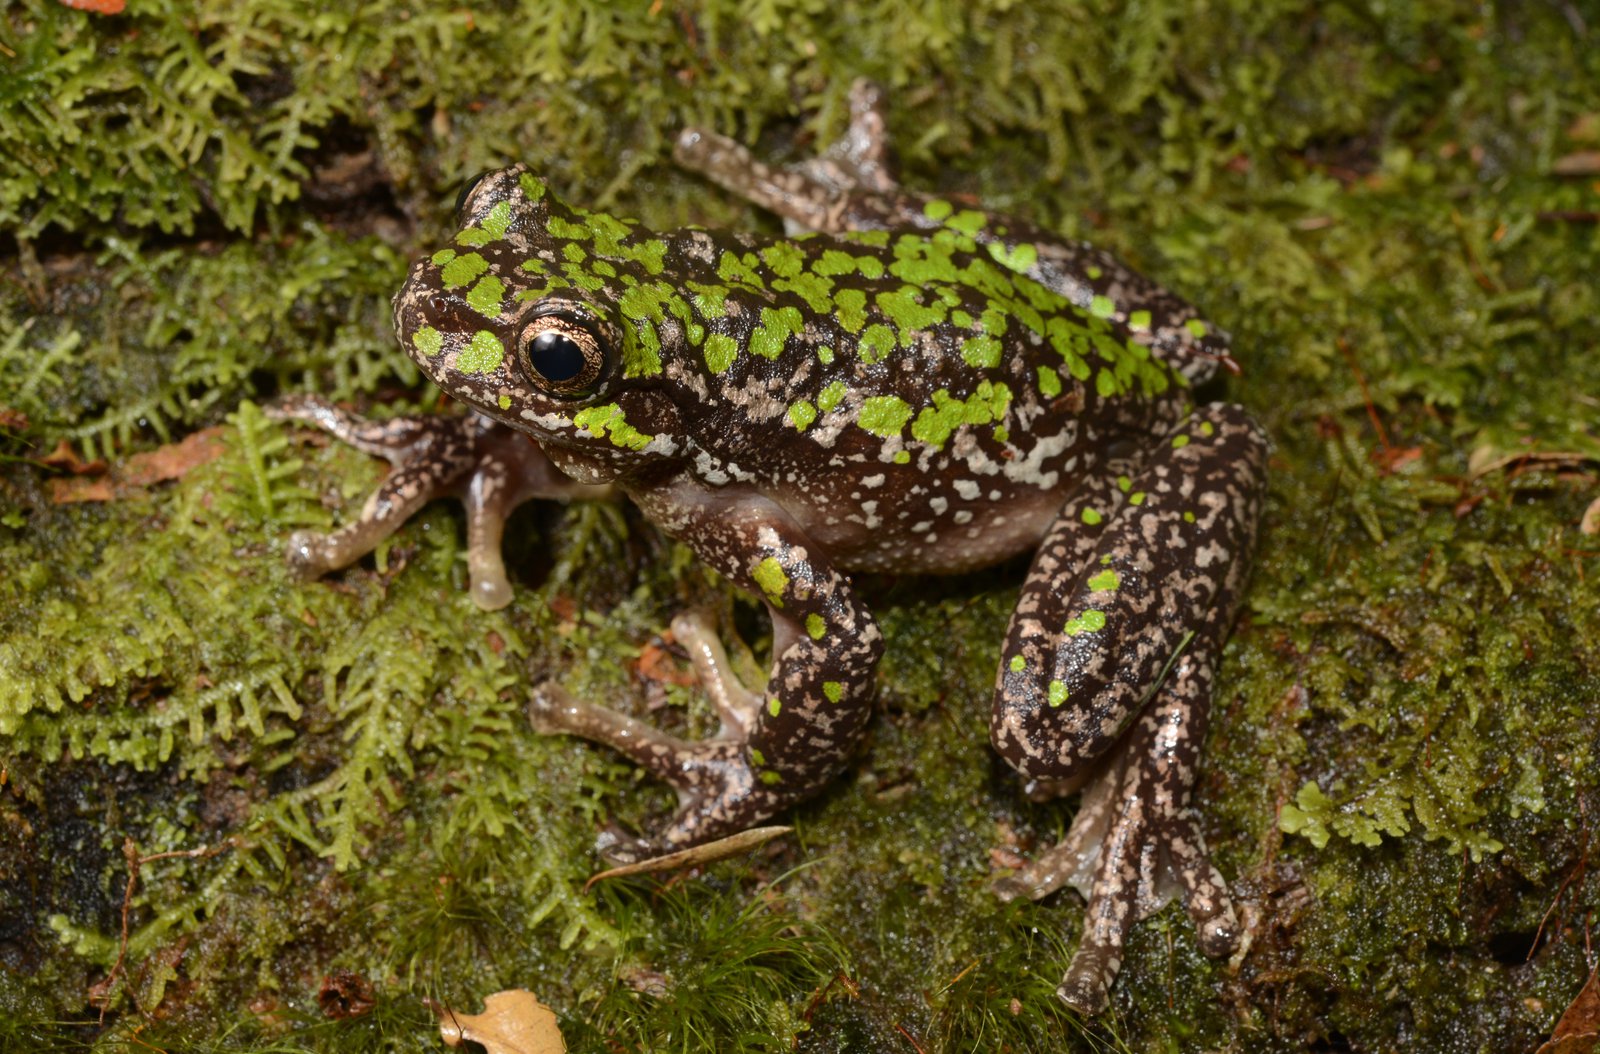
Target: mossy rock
{"points": [[1392, 208]]}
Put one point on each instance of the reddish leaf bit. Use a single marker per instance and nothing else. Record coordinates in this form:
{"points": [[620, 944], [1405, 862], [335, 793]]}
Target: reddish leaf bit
{"points": [[346, 994], [173, 461], [1578, 1031], [657, 664], [96, 7]]}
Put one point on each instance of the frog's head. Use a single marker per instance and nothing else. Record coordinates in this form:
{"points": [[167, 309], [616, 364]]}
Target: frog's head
{"points": [[523, 319]]}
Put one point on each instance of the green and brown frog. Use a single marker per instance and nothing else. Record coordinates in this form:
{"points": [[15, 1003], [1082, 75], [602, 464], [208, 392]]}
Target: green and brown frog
{"points": [[912, 385]]}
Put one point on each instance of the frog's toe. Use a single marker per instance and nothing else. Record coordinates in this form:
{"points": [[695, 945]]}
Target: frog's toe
{"points": [[1205, 894], [617, 847], [1219, 937], [308, 555], [1087, 985]]}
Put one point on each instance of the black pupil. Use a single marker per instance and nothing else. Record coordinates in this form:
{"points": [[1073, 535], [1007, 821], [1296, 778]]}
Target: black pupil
{"points": [[556, 356]]}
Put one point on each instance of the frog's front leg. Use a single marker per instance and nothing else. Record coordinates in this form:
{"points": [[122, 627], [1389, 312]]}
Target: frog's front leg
{"points": [[1115, 640], [490, 467], [774, 748]]}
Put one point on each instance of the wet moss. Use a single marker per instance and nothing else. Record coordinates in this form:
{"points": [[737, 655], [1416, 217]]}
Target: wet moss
{"points": [[211, 207]]}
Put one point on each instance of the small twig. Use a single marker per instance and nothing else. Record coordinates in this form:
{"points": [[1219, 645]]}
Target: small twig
{"points": [[952, 982], [1577, 870], [852, 991], [1366, 393], [909, 1038], [130, 853]]}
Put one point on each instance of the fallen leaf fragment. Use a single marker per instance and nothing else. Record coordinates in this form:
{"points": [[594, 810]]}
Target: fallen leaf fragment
{"points": [[1580, 163], [1484, 461], [173, 461], [699, 854], [512, 1022], [657, 664], [1590, 524], [346, 994], [1578, 1031], [67, 459]]}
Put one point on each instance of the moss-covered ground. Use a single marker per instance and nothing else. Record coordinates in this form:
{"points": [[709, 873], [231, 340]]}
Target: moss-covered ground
{"points": [[1393, 208]]}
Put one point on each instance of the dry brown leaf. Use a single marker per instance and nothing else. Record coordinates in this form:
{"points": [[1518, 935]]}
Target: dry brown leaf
{"points": [[657, 664], [67, 459], [1590, 524], [173, 461], [512, 1022], [1484, 460], [700, 854], [1579, 163], [346, 993], [1578, 1031]]}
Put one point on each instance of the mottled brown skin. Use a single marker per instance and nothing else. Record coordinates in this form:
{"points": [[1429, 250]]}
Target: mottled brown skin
{"points": [[1031, 395]]}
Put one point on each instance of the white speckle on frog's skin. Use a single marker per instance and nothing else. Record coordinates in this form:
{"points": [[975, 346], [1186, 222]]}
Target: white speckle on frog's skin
{"points": [[749, 392]]}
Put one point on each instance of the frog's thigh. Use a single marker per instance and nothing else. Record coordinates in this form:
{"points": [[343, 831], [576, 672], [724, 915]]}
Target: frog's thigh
{"points": [[1087, 647]]}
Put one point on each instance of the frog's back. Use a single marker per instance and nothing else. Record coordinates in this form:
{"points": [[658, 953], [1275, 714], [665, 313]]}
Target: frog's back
{"points": [[886, 385]]}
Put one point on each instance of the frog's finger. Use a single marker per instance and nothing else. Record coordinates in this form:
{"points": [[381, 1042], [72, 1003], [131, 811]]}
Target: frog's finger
{"points": [[736, 704], [490, 496], [387, 439], [402, 493], [430, 456]]}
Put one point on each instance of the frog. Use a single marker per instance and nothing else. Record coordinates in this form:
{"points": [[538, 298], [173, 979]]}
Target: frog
{"points": [[899, 382]]}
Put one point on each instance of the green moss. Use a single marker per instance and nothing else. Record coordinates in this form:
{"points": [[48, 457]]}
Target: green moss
{"points": [[215, 209]]}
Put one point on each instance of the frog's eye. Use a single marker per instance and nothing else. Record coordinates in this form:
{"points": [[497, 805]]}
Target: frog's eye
{"points": [[466, 191], [562, 355]]}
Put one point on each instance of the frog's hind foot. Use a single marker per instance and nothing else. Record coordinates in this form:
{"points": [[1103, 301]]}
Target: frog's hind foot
{"points": [[861, 159], [489, 467], [1133, 844], [718, 792], [849, 186]]}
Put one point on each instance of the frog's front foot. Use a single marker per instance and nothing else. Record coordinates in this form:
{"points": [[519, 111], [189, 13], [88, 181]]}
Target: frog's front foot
{"points": [[489, 467]]}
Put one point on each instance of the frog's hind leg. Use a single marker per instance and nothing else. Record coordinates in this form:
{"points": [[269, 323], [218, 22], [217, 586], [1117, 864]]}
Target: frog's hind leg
{"points": [[490, 467], [849, 186], [776, 747], [1115, 641]]}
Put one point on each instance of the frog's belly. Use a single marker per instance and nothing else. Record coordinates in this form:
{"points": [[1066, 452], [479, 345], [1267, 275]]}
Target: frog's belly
{"points": [[934, 535]]}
